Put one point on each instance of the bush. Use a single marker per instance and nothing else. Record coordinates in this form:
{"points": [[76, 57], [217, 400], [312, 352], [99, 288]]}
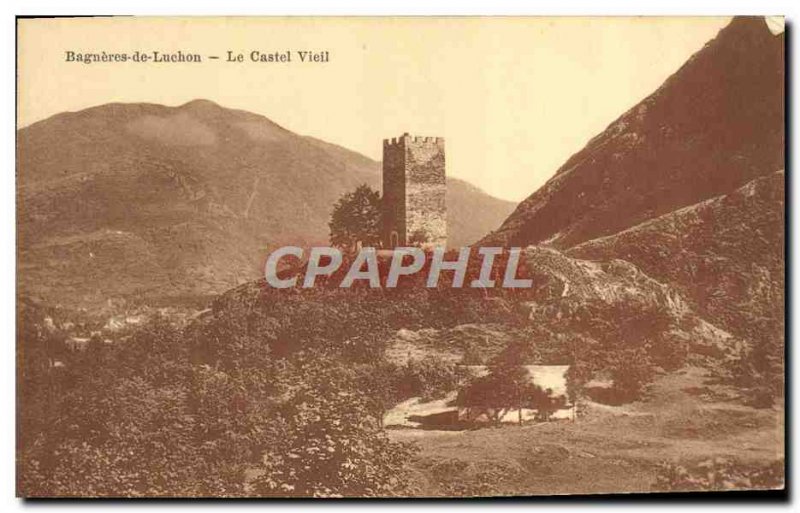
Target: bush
{"points": [[328, 444], [759, 374], [719, 474], [631, 371], [431, 378], [140, 418]]}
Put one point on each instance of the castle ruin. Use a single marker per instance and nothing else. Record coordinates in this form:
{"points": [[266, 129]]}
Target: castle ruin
{"points": [[414, 210]]}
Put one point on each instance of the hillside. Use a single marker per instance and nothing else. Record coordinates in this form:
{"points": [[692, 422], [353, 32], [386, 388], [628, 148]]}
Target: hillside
{"points": [[610, 450], [143, 200], [725, 255], [602, 306], [713, 126], [645, 354]]}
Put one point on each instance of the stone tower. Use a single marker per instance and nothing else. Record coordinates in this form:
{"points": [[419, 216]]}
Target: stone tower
{"points": [[414, 191]]}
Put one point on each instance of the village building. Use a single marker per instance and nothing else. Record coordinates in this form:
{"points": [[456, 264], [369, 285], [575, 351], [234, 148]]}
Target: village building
{"points": [[446, 413]]}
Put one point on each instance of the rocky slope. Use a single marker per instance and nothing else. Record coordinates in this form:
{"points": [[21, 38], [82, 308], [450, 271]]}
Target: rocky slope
{"points": [[612, 301], [713, 126], [725, 255], [686, 186], [143, 200]]}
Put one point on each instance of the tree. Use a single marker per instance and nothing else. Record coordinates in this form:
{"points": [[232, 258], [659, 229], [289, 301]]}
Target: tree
{"points": [[429, 378], [356, 217], [631, 371], [578, 374], [327, 443], [482, 394], [542, 400], [139, 419], [506, 387]]}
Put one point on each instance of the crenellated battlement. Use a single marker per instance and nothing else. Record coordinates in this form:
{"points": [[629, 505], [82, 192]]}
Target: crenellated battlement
{"points": [[414, 209], [413, 139]]}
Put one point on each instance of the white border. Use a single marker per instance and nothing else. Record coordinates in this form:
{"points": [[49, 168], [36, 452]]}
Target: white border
{"points": [[303, 7]]}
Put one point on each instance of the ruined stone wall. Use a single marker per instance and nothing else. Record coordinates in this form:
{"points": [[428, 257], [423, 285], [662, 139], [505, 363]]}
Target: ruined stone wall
{"points": [[394, 191], [414, 190], [426, 190]]}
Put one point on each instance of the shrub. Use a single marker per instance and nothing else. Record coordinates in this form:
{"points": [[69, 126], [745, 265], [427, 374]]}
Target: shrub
{"points": [[328, 444], [631, 371], [431, 378], [719, 474]]}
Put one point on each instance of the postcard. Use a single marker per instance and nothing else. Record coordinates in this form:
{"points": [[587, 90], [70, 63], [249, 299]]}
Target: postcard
{"points": [[399, 256]]}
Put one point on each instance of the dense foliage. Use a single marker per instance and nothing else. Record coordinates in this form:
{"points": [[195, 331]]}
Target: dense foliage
{"points": [[507, 387], [355, 218], [146, 416], [429, 378], [220, 407], [330, 443]]}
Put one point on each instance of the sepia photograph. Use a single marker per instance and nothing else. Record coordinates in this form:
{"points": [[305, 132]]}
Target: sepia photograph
{"points": [[400, 257]]}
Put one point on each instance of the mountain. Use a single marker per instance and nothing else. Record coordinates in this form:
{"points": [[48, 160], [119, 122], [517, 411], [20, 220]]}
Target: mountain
{"points": [[687, 186], [144, 200], [713, 126]]}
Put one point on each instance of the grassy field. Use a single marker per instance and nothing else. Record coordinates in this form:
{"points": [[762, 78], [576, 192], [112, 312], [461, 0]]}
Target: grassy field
{"points": [[608, 450]]}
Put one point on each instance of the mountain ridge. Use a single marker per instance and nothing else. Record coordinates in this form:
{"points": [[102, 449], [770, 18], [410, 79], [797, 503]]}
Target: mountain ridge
{"points": [[127, 199], [712, 126]]}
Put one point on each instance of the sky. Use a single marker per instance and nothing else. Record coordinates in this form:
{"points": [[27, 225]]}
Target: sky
{"points": [[513, 97]]}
